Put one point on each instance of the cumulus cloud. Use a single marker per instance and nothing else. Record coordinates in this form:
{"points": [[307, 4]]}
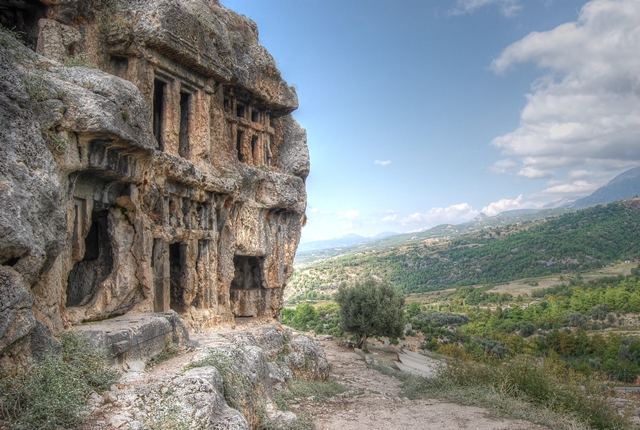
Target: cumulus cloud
{"points": [[501, 167], [586, 110], [450, 215], [571, 189], [390, 218], [502, 205], [382, 163], [508, 8], [585, 174], [533, 173], [350, 214]]}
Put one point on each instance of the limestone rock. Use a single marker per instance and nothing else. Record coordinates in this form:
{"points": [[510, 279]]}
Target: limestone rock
{"points": [[169, 175], [135, 337], [307, 359]]}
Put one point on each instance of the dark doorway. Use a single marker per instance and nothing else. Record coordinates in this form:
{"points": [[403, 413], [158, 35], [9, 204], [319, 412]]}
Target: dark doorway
{"points": [[239, 145], [87, 275], [119, 66], [22, 16], [247, 292], [185, 105], [158, 111], [248, 273], [254, 145], [240, 110], [255, 115], [177, 275]]}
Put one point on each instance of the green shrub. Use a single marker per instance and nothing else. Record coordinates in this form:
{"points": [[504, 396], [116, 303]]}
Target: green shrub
{"points": [[53, 393], [80, 60], [320, 390], [305, 313], [371, 308], [166, 419], [438, 318], [537, 387]]}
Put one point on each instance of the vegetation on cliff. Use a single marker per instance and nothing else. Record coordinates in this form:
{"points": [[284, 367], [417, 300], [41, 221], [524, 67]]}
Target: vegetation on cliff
{"points": [[53, 394]]}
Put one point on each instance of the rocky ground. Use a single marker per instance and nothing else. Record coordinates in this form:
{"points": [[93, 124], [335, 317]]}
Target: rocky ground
{"points": [[374, 402], [373, 399]]}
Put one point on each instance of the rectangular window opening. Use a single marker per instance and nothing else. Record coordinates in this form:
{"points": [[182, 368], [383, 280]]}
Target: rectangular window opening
{"points": [[185, 106], [239, 145], [255, 115], [240, 111], [158, 111], [177, 275], [119, 66]]}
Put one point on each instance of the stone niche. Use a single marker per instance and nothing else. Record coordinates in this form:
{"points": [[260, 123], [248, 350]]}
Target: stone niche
{"points": [[171, 177]]}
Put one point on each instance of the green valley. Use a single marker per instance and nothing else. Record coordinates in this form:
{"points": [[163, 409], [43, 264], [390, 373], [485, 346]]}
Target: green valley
{"points": [[574, 242]]}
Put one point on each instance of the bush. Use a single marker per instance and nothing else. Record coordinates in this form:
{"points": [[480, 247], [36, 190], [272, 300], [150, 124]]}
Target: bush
{"points": [[625, 371], [371, 308], [525, 382], [320, 390], [439, 318], [305, 313], [53, 393]]}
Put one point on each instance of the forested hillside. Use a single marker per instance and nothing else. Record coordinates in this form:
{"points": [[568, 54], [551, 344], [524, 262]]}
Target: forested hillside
{"points": [[577, 241]]}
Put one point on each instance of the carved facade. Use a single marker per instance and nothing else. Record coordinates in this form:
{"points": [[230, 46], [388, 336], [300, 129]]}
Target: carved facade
{"points": [[185, 192]]}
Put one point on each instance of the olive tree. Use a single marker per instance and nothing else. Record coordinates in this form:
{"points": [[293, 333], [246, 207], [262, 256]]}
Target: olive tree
{"points": [[370, 308]]}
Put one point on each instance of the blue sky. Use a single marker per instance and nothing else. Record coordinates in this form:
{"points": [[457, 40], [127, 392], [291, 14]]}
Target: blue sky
{"points": [[422, 112]]}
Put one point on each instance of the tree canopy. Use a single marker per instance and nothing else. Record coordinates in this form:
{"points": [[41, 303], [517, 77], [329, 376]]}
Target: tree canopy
{"points": [[371, 308]]}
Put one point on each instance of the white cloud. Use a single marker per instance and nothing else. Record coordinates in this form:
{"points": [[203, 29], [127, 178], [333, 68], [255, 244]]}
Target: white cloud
{"points": [[451, 215], [390, 218], [507, 7], [502, 205], [314, 210], [350, 214], [586, 110], [571, 189], [501, 167], [533, 173], [347, 226], [382, 163], [585, 174]]}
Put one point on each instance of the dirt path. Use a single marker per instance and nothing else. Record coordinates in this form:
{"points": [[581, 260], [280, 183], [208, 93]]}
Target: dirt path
{"points": [[377, 404]]}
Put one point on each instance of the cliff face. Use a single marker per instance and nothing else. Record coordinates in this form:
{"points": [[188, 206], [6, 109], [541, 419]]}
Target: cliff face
{"points": [[170, 175]]}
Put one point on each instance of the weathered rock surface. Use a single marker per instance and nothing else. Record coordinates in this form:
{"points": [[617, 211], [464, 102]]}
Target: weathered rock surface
{"points": [[227, 384], [307, 359], [136, 337], [170, 175]]}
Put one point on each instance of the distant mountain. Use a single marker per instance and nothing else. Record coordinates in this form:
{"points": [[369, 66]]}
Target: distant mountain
{"points": [[314, 252], [517, 212], [341, 241], [480, 217], [562, 203], [624, 186], [576, 240]]}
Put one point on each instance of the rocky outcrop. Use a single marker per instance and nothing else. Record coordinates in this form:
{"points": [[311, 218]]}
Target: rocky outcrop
{"points": [[229, 384], [170, 175]]}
